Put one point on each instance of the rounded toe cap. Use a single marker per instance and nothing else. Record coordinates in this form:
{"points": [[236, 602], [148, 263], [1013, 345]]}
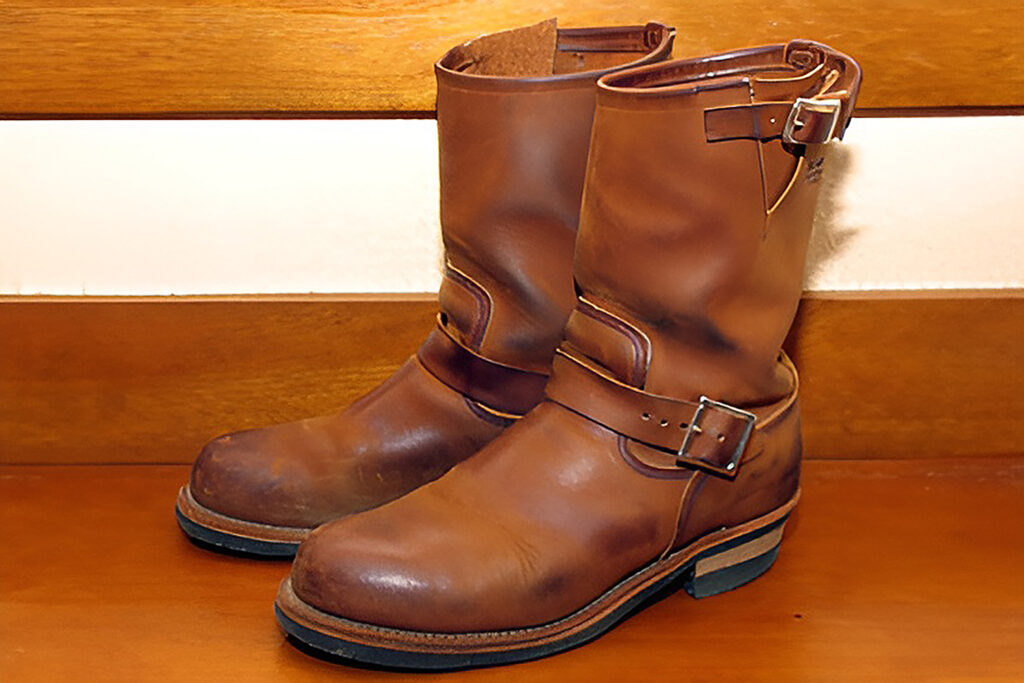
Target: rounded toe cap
{"points": [[355, 569], [251, 476], [423, 564]]}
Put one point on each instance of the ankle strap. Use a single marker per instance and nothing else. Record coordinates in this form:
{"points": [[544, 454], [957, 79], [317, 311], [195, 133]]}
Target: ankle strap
{"points": [[500, 387], [707, 434]]}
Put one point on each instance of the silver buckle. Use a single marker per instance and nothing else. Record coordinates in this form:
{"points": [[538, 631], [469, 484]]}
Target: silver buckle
{"points": [[694, 428], [831, 107]]}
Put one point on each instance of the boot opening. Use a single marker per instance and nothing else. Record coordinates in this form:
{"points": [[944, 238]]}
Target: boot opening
{"points": [[544, 50]]}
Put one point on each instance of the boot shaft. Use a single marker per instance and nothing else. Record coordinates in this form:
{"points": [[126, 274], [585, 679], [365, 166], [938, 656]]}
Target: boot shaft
{"points": [[514, 114], [699, 199]]}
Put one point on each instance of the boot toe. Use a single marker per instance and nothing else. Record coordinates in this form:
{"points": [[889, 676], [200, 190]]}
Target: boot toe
{"points": [[357, 568], [424, 564], [248, 475]]}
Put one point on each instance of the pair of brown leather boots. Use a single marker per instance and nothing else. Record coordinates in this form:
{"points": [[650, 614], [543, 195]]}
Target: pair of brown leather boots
{"points": [[611, 401]]}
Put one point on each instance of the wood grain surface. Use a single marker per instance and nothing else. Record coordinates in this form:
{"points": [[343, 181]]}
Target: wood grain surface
{"points": [[889, 570], [911, 374], [151, 380], [246, 57]]}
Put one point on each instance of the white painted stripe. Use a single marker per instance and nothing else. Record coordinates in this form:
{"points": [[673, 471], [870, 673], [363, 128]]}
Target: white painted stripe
{"points": [[221, 207], [195, 207]]}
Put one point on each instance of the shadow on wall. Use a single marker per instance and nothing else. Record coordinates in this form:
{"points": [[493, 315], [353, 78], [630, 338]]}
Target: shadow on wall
{"points": [[829, 238]]}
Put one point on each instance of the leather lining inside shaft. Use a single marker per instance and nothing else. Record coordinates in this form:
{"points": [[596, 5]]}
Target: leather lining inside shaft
{"points": [[543, 50], [520, 52]]}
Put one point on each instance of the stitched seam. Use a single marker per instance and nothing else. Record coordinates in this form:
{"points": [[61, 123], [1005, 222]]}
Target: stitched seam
{"points": [[790, 400], [683, 499], [639, 465], [483, 300], [486, 415], [641, 349]]}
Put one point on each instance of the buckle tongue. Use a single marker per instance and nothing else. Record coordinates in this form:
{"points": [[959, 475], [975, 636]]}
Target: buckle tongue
{"points": [[794, 122], [705, 405]]}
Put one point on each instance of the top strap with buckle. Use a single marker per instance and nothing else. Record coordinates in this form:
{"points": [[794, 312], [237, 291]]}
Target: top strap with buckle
{"points": [[706, 434], [807, 121], [811, 105]]}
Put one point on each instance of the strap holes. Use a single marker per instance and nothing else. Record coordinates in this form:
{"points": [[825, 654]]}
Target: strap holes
{"points": [[721, 438], [645, 417], [683, 425], [664, 423]]}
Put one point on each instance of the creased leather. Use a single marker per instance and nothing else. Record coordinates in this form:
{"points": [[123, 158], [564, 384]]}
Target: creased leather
{"points": [[503, 388], [510, 202], [688, 267], [514, 114]]}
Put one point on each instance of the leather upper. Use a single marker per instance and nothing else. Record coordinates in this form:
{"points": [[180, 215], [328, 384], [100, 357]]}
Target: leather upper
{"points": [[514, 114], [688, 268], [408, 431], [532, 527], [513, 153], [702, 261]]}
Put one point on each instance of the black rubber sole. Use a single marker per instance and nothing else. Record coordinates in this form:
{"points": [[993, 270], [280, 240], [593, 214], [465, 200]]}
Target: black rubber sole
{"points": [[711, 583], [229, 544]]}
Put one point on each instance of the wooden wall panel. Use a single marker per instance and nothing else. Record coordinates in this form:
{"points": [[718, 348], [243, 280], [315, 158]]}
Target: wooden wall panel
{"points": [[249, 57], [152, 380], [911, 375]]}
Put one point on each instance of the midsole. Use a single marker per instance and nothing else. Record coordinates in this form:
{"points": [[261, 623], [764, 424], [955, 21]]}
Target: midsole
{"points": [[233, 526], [485, 641]]}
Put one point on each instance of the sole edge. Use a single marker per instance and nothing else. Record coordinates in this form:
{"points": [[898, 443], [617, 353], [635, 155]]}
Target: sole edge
{"points": [[220, 540]]}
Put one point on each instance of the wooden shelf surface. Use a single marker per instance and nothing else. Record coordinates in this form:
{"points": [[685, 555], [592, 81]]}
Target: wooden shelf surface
{"points": [[891, 570]]}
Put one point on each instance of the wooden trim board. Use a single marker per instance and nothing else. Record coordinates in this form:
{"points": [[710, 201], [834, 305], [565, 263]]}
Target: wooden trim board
{"points": [[149, 380], [911, 374], [158, 57]]}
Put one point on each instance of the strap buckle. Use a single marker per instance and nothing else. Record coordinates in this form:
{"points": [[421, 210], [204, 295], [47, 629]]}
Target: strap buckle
{"points": [[706, 405], [795, 121]]}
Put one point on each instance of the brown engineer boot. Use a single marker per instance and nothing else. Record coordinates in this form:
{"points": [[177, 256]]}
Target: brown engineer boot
{"points": [[667, 450], [514, 113]]}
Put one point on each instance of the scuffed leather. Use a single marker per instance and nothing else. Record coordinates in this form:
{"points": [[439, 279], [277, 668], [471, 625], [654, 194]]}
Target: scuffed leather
{"points": [[532, 527], [688, 275], [408, 431], [514, 117]]}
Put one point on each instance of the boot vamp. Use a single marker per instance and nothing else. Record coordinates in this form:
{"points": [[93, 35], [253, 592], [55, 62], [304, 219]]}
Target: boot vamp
{"points": [[533, 527], [407, 432]]}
